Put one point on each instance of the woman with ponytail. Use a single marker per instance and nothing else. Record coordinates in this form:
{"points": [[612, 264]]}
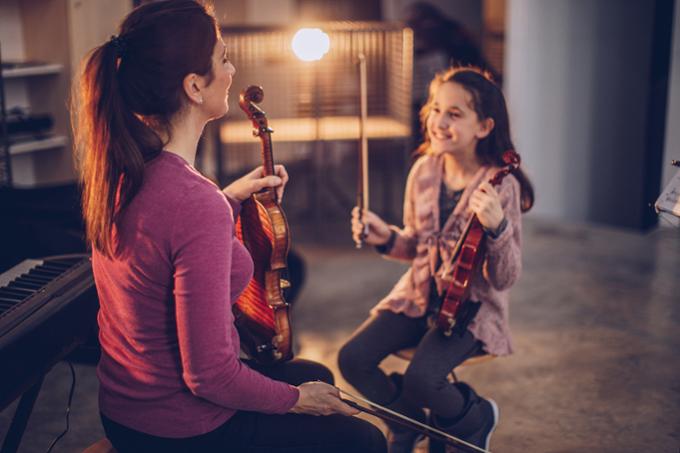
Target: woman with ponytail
{"points": [[466, 131], [166, 263]]}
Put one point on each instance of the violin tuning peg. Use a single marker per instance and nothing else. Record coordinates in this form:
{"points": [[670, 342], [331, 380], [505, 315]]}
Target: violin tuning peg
{"points": [[256, 133], [285, 284]]}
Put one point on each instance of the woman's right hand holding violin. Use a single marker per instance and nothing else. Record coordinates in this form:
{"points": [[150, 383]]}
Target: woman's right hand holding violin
{"points": [[378, 231]]}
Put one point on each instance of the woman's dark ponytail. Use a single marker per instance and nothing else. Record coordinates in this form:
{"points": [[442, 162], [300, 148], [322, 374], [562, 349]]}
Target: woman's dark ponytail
{"points": [[129, 90]]}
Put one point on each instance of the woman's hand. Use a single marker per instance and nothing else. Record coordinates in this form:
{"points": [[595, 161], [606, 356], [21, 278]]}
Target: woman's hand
{"points": [[378, 231], [486, 203], [319, 398], [245, 186]]}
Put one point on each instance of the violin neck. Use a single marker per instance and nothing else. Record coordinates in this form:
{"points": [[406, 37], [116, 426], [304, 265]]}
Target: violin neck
{"points": [[267, 162], [471, 221], [267, 154]]}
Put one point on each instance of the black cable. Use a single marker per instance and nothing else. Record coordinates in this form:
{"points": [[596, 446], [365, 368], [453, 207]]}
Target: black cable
{"points": [[68, 407]]}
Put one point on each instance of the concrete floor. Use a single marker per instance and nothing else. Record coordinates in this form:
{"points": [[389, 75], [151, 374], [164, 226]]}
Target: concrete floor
{"points": [[596, 321]]}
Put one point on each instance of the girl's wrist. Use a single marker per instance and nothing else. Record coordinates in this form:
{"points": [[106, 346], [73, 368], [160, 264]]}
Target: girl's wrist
{"points": [[495, 232], [388, 244]]}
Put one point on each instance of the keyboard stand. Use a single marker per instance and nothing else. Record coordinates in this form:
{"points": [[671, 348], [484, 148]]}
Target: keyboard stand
{"points": [[20, 419]]}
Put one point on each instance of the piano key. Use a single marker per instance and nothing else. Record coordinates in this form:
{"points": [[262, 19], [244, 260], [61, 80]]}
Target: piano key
{"points": [[18, 270], [60, 264], [25, 285], [32, 279], [14, 291], [4, 292], [44, 273]]}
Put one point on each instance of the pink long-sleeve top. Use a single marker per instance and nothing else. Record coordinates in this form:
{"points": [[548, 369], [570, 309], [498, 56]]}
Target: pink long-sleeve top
{"points": [[422, 240], [170, 351]]}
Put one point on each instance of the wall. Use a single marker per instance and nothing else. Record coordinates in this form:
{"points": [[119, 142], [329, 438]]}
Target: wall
{"points": [[467, 12], [577, 76], [672, 146]]}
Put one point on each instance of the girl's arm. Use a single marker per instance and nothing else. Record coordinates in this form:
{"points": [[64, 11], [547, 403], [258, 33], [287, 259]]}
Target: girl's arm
{"points": [[402, 244], [503, 263]]}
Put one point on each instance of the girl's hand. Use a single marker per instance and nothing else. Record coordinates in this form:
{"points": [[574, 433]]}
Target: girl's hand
{"points": [[486, 203], [319, 398], [378, 231], [245, 186]]}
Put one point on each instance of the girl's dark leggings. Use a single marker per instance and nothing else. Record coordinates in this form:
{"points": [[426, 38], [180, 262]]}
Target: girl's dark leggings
{"points": [[425, 382]]}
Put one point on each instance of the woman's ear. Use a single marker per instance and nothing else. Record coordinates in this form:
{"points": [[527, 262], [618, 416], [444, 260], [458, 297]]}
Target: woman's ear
{"points": [[486, 126], [192, 85]]}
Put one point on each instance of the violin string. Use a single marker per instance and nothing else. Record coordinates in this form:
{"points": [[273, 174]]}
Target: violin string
{"points": [[415, 422], [456, 248]]}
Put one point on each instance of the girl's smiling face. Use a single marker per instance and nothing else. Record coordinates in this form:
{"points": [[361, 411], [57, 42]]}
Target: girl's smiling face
{"points": [[453, 126]]}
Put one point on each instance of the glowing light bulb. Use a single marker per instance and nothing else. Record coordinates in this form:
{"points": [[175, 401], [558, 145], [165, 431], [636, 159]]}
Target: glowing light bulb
{"points": [[310, 44]]}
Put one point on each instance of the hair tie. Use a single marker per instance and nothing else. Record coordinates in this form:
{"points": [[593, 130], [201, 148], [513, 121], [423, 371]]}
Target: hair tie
{"points": [[119, 44]]}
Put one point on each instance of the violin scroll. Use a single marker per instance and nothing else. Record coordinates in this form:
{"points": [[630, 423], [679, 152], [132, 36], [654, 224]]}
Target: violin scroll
{"points": [[249, 97], [510, 157], [253, 93], [511, 160]]}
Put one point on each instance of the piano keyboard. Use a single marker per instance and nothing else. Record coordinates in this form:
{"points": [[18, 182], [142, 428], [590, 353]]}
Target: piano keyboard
{"points": [[48, 308], [31, 284]]}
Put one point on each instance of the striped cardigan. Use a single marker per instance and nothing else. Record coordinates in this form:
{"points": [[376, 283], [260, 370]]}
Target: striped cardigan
{"points": [[422, 238]]}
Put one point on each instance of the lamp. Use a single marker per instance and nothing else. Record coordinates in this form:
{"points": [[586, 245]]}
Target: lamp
{"points": [[310, 44]]}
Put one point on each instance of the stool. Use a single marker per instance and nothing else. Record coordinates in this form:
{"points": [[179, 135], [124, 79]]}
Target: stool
{"points": [[407, 354], [101, 446]]}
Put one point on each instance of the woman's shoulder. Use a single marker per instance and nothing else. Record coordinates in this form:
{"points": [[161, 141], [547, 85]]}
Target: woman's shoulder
{"points": [[177, 182]]}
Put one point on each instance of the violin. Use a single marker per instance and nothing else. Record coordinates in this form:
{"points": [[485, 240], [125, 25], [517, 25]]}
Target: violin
{"points": [[468, 255], [261, 312]]}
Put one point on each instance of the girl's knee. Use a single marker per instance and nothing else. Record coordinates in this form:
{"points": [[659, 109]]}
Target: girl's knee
{"points": [[349, 359], [318, 372]]}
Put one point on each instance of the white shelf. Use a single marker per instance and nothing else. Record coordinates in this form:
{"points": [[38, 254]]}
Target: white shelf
{"points": [[38, 145], [37, 70]]}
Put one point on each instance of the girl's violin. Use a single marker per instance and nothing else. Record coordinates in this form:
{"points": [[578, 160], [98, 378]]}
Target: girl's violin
{"points": [[261, 311], [467, 257]]}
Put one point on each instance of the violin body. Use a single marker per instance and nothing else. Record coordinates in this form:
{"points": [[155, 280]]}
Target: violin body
{"points": [[261, 311], [468, 256]]}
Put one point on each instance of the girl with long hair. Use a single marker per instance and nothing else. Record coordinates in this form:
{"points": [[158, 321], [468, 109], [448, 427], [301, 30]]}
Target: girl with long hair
{"points": [[466, 131]]}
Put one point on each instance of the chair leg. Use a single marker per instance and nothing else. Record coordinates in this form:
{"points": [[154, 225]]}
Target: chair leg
{"points": [[453, 376]]}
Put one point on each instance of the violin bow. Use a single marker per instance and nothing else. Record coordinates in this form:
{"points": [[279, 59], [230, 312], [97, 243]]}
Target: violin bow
{"points": [[362, 177], [390, 415]]}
